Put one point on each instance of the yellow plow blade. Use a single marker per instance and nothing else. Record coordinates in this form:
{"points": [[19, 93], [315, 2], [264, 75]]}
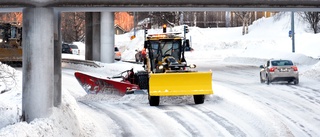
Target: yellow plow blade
{"points": [[10, 54], [175, 84]]}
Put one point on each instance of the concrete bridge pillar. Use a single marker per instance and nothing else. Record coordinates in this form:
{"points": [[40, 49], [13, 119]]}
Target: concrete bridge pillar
{"points": [[96, 35], [57, 59], [38, 63], [88, 39], [107, 37], [93, 36]]}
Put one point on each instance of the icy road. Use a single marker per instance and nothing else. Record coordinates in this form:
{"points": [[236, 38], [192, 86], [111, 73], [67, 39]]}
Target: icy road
{"points": [[241, 106]]}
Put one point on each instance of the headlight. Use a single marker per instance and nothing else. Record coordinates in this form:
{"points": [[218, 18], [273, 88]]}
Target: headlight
{"points": [[192, 66], [1, 40], [161, 67]]}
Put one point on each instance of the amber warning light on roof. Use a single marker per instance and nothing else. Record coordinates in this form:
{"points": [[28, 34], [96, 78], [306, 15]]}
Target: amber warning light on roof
{"points": [[164, 28]]}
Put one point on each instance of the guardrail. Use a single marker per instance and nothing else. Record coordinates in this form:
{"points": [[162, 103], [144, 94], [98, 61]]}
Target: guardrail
{"points": [[82, 62], [130, 61]]}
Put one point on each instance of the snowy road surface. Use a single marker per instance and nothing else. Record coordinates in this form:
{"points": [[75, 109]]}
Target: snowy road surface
{"points": [[241, 106]]}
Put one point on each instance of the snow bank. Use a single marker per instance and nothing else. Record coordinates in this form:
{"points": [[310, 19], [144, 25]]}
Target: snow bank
{"points": [[67, 120]]}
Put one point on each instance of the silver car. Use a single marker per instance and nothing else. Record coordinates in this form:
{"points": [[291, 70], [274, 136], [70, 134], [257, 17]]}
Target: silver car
{"points": [[279, 70]]}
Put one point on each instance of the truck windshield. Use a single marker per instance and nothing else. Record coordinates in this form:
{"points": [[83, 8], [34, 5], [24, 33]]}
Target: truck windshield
{"points": [[165, 48]]}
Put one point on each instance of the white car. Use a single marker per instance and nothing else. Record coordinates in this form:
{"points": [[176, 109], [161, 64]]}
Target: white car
{"points": [[279, 70]]}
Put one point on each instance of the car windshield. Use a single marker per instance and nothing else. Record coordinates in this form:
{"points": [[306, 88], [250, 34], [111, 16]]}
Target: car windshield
{"points": [[74, 46], [65, 46], [281, 63]]}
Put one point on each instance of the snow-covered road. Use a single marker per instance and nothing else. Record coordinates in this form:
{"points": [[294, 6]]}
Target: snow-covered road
{"points": [[241, 106], [279, 109]]}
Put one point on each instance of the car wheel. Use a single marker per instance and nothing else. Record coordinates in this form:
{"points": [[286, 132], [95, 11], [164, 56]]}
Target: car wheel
{"points": [[268, 80], [198, 99], [261, 80], [296, 82]]}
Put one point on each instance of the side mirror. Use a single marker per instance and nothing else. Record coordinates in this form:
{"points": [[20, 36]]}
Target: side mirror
{"points": [[146, 44]]}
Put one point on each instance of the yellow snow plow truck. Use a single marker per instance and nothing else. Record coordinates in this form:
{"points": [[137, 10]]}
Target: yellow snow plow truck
{"points": [[167, 72], [10, 43]]}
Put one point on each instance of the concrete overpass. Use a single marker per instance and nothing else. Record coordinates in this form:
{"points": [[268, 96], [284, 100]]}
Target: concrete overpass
{"points": [[42, 39], [165, 5]]}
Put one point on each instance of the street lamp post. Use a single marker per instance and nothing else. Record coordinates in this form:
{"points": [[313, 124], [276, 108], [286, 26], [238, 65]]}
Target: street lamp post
{"points": [[292, 31]]}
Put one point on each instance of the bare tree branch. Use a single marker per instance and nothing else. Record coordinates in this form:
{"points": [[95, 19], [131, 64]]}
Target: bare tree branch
{"points": [[313, 18], [244, 16], [7, 78]]}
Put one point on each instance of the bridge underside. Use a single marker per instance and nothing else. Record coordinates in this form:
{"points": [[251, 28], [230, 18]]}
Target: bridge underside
{"points": [[166, 4]]}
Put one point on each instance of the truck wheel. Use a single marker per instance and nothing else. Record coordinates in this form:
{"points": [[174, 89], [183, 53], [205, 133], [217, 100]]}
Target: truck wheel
{"points": [[154, 100], [198, 99], [142, 79]]}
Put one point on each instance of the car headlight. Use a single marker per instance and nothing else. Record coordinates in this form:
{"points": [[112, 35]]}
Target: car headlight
{"points": [[192, 66], [160, 67]]}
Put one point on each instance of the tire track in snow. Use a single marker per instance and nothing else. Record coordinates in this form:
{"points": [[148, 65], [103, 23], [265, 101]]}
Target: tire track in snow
{"points": [[274, 105], [134, 123], [139, 118], [178, 117], [231, 128], [280, 103], [274, 100], [302, 127], [121, 124], [157, 119], [307, 94], [306, 90], [195, 121], [257, 95]]}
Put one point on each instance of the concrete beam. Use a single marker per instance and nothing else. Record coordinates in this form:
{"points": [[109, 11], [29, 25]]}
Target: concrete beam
{"points": [[204, 3], [164, 3], [165, 9], [38, 66]]}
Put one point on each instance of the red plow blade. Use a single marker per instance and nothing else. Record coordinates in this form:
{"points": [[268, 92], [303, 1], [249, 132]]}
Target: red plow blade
{"points": [[94, 85]]}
